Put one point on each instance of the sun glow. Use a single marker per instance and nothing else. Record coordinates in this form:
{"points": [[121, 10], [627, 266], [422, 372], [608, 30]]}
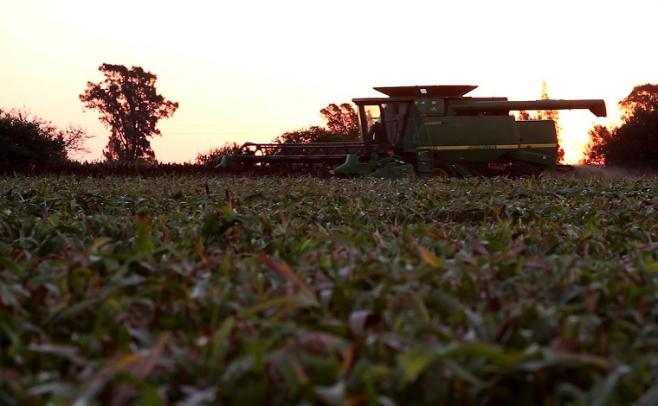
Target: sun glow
{"points": [[573, 137]]}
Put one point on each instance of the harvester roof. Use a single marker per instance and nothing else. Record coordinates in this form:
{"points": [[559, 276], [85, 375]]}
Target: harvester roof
{"points": [[432, 90]]}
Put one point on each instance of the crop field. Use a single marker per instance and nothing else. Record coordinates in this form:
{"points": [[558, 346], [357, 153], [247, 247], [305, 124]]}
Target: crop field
{"points": [[221, 290]]}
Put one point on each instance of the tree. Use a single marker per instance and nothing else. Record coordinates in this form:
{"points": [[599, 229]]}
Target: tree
{"points": [[31, 140], [306, 135], [601, 138], [634, 144], [214, 156], [642, 100], [341, 119], [130, 107], [74, 140], [524, 116], [342, 125]]}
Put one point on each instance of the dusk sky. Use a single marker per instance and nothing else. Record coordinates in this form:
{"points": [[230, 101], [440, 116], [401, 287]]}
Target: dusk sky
{"points": [[250, 70]]}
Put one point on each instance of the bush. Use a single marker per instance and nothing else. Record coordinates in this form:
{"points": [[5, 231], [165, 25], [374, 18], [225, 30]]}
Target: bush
{"points": [[28, 141], [314, 134], [214, 156]]}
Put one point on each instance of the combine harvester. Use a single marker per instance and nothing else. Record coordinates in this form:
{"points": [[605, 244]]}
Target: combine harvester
{"points": [[425, 131]]}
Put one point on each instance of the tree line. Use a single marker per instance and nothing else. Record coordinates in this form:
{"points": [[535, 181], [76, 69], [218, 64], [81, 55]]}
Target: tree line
{"points": [[130, 107], [634, 143]]}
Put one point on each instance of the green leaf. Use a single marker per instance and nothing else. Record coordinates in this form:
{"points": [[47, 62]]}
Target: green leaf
{"points": [[430, 258], [6, 263], [218, 347], [413, 363], [148, 396], [493, 353], [144, 242], [651, 267]]}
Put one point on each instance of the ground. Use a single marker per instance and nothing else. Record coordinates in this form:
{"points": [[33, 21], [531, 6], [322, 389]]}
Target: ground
{"points": [[360, 291]]}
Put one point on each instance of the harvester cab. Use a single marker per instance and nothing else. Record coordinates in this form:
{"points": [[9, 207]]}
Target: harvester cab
{"points": [[383, 122]]}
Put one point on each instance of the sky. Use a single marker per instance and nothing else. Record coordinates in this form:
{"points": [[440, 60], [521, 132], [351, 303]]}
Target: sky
{"points": [[249, 70]]}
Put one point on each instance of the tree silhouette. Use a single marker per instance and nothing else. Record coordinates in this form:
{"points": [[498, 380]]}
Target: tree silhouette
{"points": [[29, 139], [341, 119], [634, 144], [642, 100], [214, 155], [601, 140], [342, 125], [130, 107], [312, 134]]}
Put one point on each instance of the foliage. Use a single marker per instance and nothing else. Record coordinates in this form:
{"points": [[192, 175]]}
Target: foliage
{"points": [[30, 140], [214, 156], [311, 134], [130, 107], [601, 140], [74, 139], [229, 290], [342, 125], [642, 99], [341, 119], [634, 144]]}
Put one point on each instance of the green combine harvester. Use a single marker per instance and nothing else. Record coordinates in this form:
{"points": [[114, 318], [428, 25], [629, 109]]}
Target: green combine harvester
{"points": [[425, 131]]}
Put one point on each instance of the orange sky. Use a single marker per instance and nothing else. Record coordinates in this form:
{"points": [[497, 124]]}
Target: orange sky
{"points": [[250, 70]]}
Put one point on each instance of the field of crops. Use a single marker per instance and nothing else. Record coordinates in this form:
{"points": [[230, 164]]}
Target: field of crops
{"points": [[205, 290]]}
